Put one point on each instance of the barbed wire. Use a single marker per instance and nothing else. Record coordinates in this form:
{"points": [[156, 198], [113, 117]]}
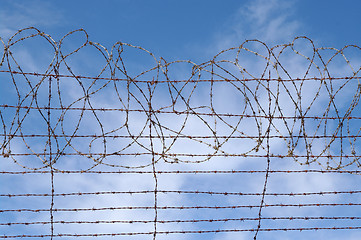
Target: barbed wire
{"points": [[184, 221], [133, 115], [177, 191], [193, 172], [182, 232]]}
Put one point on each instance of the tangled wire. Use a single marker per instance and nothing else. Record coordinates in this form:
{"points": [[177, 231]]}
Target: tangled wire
{"points": [[128, 103]]}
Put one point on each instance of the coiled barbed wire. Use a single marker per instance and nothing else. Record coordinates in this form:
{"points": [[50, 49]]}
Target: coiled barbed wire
{"points": [[279, 93]]}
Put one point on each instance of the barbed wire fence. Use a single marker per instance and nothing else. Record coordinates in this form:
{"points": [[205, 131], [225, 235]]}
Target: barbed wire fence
{"points": [[146, 147]]}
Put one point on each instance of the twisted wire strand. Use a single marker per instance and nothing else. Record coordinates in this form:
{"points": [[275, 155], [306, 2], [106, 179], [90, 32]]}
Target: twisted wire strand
{"points": [[340, 136]]}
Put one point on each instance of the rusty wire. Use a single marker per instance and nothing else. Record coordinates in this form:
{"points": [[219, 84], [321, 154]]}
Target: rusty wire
{"points": [[182, 221], [315, 114], [178, 232]]}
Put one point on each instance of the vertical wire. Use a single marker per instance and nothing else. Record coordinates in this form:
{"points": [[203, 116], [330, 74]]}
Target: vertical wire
{"points": [[153, 164], [52, 204], [50, 163], [268, 159]]}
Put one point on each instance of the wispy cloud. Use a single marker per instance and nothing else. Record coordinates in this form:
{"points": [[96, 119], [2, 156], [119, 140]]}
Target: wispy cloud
{"points": [[27, 14], [270, 21]]}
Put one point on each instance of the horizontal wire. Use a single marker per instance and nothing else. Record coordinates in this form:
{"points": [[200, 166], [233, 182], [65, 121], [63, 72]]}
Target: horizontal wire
{"points": [[183, 172], [173, 136], [179, 207], [188, 112], [180, 232], [179, 192], [184, 155], [176, 81], [307, 218]]}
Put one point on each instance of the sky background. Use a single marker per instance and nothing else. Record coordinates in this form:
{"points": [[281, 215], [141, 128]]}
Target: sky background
{"points": [[196, 31], [189, 29]]}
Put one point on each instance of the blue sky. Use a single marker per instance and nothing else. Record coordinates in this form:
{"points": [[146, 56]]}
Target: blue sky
{"points": [[181, 30]]}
